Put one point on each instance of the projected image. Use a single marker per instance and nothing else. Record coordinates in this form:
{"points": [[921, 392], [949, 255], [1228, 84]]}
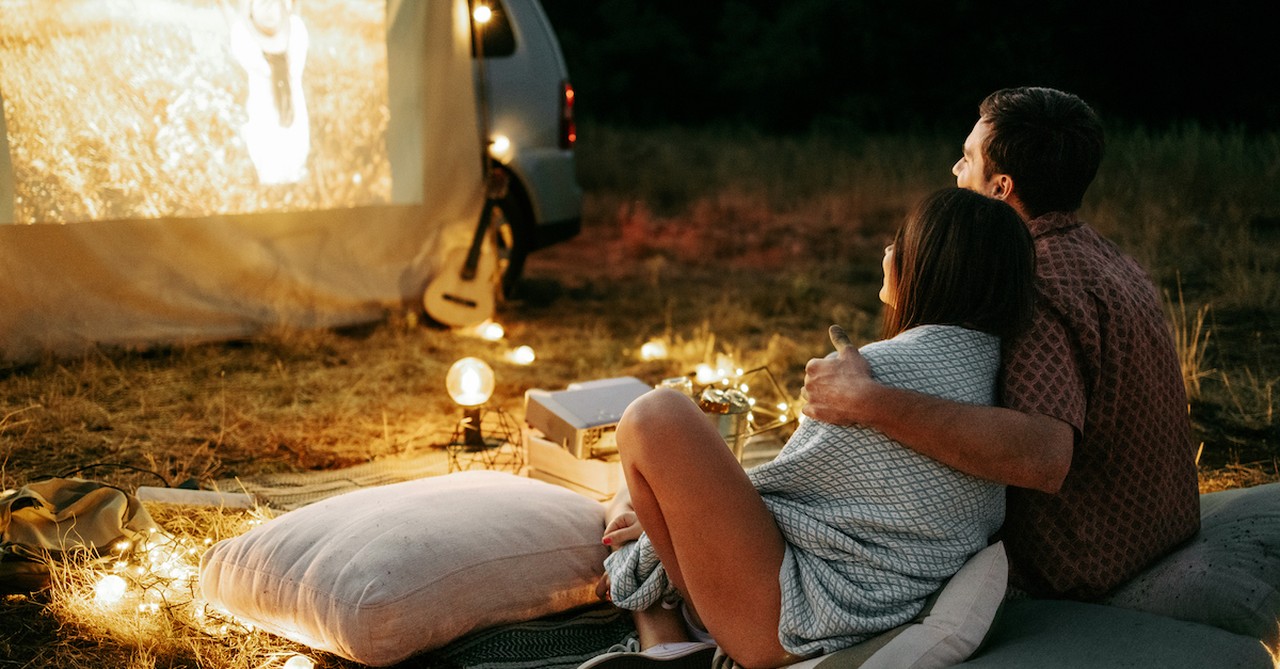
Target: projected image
{"points": [[118, 109]]}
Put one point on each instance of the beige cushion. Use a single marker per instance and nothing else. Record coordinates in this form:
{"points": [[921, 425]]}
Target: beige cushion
{"points": [[1227, 575], [381, 574], [945, 633]]}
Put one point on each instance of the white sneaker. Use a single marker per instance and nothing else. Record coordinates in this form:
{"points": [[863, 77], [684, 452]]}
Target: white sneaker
{"points": [[679, 655]]}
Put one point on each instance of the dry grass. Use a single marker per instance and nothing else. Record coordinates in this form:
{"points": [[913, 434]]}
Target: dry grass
{"points": [[1191, 337], [716, 244]]}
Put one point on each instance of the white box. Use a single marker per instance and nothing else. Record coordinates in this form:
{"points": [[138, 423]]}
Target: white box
{"points": [[583, 417], [598, 478]]}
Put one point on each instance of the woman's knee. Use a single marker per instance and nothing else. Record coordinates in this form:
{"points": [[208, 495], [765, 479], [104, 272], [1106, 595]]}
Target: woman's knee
{"points": [[655, 418]]}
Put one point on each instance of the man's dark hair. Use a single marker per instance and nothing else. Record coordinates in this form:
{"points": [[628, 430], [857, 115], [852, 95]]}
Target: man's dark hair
{"points": [[965, 259], [1048, 141]]}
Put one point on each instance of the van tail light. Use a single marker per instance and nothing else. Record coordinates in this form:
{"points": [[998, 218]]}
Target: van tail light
{"points": [[568, 127]]}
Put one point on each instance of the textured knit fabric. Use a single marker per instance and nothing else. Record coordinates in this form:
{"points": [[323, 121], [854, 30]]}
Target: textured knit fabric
{"points": [[871, 528], [1099, 356]]}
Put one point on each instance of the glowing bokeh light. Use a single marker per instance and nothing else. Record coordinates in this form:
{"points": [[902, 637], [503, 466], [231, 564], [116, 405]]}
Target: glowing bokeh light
{"points": [[109, 590], [500, 147], [522, 355], [490, 331], [298, 662], [653, 350]]}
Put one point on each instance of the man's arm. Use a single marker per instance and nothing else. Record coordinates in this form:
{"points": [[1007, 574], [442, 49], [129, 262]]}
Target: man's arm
{"points": [[994, 443]]}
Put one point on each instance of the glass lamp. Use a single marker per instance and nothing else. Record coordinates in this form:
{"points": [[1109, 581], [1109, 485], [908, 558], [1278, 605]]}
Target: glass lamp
{"points": [[470, 383]]}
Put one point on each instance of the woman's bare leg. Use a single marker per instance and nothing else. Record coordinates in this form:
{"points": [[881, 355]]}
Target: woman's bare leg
{"points": [[656, 625], [718, 542]]}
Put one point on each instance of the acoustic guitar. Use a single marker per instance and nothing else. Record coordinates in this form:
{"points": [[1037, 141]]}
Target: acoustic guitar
{"points": [[464, 292]]}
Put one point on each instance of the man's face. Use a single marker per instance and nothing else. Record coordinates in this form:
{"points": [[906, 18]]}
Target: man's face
{"points": [[970, 169]]}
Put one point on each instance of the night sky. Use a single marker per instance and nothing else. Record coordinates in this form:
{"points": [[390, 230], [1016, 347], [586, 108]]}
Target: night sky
{"points": [[888, 65]]}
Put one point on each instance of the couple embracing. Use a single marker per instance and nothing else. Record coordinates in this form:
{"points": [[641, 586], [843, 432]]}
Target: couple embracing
{"points": [[1027, 390]]}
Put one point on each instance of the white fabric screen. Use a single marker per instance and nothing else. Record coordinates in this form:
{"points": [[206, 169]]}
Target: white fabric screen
{"points": [[135, 282]]}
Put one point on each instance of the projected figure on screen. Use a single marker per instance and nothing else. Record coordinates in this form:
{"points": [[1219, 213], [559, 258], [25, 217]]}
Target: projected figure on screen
{"points": [[269, 41]]}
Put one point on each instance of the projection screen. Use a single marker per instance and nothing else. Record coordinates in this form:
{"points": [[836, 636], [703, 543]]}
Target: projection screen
{"points": [[177, 170]]}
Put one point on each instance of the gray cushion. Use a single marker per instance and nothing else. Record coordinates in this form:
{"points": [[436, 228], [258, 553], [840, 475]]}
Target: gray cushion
{"points": [[1072, 635], [1225, 576]]}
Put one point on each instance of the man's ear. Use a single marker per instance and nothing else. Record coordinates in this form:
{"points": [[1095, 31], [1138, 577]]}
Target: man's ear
{"points": [[1001, 186]]}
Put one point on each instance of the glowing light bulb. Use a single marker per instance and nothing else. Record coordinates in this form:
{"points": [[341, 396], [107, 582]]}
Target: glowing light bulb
{"points": [[482, 14], [522, 355], [705, 374], [470, 382], [298, 662], [490, 331], [109, 590], [653, 350], [500, 147]]}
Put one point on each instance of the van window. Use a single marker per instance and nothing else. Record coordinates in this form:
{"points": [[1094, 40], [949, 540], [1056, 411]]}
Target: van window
{"points": [[499, 40]]}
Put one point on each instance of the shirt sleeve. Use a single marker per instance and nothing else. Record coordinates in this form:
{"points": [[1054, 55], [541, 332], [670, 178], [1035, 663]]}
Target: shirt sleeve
{"points": [[1042, 372]]}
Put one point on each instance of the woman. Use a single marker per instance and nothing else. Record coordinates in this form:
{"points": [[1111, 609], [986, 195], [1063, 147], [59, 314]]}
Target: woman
{"points": [[846, 532]]}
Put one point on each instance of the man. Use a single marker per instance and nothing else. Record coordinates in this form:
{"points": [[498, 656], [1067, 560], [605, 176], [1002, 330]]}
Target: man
{"points": [[1093, 433]]}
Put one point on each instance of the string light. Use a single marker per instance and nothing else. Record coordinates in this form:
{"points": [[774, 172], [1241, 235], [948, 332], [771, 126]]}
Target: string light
{"points": [[298, 662], [653, 350], [109, 590], [522, 355], [490, 331]]}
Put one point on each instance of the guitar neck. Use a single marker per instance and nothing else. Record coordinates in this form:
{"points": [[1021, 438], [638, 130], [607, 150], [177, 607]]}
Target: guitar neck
{"points": [[473, 254]]}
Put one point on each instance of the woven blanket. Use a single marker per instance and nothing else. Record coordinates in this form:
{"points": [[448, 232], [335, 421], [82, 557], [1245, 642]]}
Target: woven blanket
{"points": [[555, 642], [872, 527], [289, 491]]}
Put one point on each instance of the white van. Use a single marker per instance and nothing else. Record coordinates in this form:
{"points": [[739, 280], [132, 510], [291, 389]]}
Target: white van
{"points": [[531, 129]]}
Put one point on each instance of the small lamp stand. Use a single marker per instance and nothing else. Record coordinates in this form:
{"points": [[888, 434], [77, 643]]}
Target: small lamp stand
{"points": [[485, 439]]}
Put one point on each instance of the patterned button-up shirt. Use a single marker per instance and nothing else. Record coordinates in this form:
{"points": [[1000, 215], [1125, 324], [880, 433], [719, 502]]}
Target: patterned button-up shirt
{"points": [[1100, 357]]}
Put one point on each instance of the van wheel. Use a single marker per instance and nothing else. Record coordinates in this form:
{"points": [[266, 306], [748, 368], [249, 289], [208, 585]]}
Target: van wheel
{"points": [[513, 233]]}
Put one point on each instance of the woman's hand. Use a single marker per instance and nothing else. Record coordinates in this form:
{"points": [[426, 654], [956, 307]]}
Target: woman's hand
{"points": [[623, 528]]}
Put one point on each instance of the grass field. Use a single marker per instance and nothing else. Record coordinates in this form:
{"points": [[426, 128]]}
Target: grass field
{"points": [[720, 244]]}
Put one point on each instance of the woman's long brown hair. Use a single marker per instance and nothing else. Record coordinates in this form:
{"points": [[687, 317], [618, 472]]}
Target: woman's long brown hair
{"points": [[963, 259]]}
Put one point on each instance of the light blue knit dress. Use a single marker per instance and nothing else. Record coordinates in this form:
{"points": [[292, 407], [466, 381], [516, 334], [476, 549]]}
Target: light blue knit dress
{"points": [[872, 527]]}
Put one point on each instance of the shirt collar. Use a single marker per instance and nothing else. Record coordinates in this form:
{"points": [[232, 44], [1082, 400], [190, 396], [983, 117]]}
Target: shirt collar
{"points": [[1052, 222]]}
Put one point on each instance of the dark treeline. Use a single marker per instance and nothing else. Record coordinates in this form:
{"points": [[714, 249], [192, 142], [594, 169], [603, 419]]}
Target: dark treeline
{"points": [[781, 65]]}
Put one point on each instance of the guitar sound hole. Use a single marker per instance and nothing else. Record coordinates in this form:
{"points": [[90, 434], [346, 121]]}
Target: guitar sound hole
{"points": [[460, 300]]}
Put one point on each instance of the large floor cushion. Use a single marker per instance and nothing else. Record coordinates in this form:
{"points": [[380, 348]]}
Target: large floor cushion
{"points": [[381, 574], [1071, 635], [1227, 575]]}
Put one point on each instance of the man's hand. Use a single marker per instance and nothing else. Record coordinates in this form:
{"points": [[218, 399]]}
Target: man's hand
{"points": [[832, 385]]}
